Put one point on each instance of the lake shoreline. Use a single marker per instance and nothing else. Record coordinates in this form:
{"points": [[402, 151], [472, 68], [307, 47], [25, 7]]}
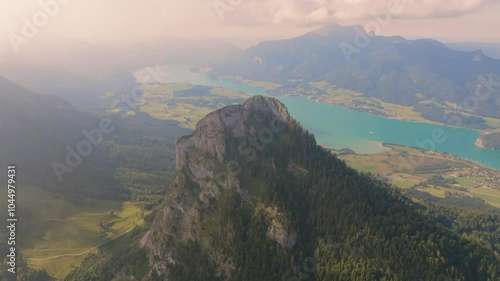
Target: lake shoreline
{"points": [[339, 126], [267, 86], [400, 118]]}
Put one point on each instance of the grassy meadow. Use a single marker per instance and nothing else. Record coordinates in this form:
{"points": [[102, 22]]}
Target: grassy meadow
{"points": [[66, 233]]}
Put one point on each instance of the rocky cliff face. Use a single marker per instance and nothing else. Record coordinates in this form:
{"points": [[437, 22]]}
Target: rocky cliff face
{"points": [[207, 165], [233, 122]]}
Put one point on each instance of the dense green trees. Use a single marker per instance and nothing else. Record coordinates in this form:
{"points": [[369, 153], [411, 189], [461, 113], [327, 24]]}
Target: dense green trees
{"points": [[333, 224]]}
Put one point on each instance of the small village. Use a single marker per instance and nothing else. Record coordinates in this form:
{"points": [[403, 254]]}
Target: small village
{"points": [[483, 178]]}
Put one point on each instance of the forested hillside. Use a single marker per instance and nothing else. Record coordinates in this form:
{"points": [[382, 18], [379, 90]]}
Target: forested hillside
{"points": [[291, 208]]}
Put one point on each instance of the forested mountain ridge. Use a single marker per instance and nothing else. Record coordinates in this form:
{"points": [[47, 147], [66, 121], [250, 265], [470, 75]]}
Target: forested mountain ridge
{"points": [[392, 69], [307, 57], [255, 198]]}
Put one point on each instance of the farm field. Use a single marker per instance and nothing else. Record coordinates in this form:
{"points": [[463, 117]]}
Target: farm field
{"points": [[434, 173]]}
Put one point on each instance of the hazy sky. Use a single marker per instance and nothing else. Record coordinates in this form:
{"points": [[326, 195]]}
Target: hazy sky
{"points": [[117, 20]]}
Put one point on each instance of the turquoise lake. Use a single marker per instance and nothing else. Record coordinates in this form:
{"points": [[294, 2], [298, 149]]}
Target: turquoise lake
{"points": [[336, 127]]}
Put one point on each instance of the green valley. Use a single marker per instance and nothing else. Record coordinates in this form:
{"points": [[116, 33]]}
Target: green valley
{"points": [[118, 185], [58, 235]]}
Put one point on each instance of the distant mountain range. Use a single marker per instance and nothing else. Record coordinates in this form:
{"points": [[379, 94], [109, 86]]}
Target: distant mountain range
{"points": [[393, 69], [81, 72], [489, 49]]}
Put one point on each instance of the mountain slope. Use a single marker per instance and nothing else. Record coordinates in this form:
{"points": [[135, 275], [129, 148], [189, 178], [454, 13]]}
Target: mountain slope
{"points": [[393, 69], [307, 57], [397, 73], [35, 132], [255, 198]]}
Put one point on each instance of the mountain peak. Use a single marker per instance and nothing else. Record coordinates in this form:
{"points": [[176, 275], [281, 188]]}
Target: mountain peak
{"points": [[334, 29], [233, 121]]}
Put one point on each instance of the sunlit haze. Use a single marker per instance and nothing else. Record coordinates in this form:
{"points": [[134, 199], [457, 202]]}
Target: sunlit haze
{"points": [[225, 140], [246, 21]]}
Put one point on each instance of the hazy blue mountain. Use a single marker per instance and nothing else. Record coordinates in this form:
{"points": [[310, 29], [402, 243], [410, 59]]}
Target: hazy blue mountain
{"points": [[81, 72], [489, 49], [308, 57], [175, 50], [77, 89], [398, 72], [391, 68]]}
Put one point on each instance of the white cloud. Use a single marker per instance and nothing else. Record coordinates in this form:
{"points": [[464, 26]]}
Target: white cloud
{"points": [[313, 12]]}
